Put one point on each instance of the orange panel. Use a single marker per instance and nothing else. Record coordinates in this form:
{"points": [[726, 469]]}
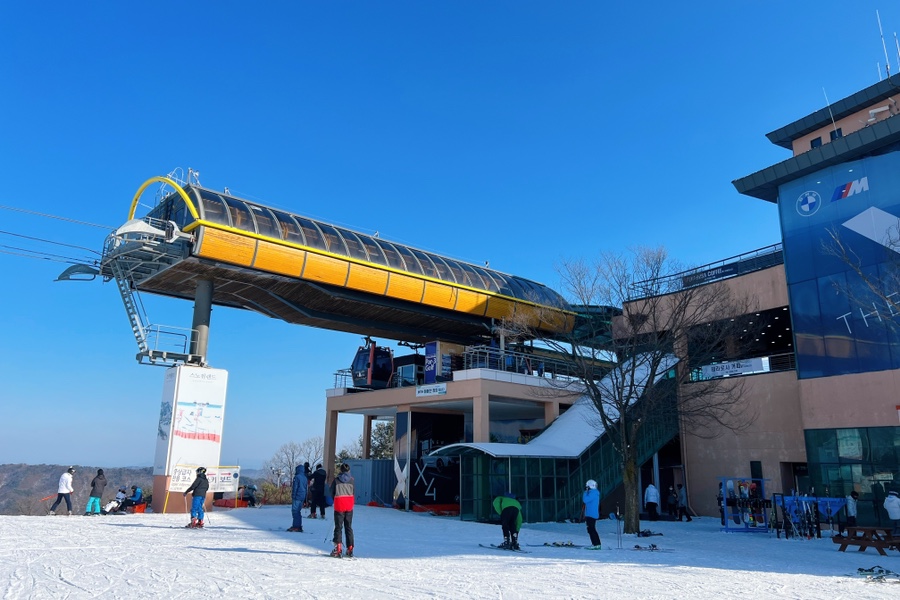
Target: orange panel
{"points": [[472, 303], [499, 308], [325, 269], [226, 247], [403, 287], [367, 279], [439, 295], [279, 259]]}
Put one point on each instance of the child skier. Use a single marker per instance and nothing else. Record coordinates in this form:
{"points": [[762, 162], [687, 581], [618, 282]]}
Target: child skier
{"points": [[113, 505], [510, 512], [199, 489], [591, 499]]}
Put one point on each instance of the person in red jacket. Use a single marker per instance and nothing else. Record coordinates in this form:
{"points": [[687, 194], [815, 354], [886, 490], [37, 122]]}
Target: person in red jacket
{"points": [[342, 492]]}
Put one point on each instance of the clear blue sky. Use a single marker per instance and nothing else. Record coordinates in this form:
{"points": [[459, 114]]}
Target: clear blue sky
{"points": [[517, 132]]}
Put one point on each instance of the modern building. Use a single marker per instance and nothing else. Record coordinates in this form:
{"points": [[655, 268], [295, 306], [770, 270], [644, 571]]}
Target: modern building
{"points": [[822, 376]]}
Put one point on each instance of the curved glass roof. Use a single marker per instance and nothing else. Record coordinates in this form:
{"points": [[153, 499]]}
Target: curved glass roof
{"points": [[255, 218]]}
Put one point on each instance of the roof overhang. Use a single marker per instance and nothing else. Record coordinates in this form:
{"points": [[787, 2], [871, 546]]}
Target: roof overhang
{"points": [[875, 139]]}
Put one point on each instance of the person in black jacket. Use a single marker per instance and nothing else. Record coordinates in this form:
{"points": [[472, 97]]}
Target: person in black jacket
{"points": [[98, 484], [199, 489], [317, 491]]}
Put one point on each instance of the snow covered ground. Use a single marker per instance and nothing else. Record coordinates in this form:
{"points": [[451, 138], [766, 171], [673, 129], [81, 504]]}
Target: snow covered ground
{"points": [[246, 553]]}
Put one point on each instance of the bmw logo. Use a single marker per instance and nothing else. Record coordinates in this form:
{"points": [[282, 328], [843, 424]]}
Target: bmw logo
{"points": [[808, 203]]}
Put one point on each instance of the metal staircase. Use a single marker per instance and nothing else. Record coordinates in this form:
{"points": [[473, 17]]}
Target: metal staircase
{"points": [[136, 251]]}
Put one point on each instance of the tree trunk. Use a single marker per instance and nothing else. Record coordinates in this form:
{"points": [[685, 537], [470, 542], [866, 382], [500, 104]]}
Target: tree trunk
{"points": [[632, 511]]}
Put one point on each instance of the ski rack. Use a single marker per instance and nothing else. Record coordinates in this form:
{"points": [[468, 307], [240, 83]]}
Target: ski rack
{"points": [[746, 509]]}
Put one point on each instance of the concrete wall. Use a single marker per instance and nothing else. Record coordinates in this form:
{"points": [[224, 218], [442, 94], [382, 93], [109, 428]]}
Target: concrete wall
{"points": [[775, 437]]}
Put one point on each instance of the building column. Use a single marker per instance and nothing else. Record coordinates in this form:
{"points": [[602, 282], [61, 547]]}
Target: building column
{"points": [[551, 412], [202, 313], [481, 419], [367, 437], [331, 423]]}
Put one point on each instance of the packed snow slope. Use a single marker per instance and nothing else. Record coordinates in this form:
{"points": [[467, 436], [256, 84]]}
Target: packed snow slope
{"points": [[246, 553]]}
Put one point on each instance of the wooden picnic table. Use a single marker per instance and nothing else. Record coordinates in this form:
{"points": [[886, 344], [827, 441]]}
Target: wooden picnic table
{"points": [[880, 538]]}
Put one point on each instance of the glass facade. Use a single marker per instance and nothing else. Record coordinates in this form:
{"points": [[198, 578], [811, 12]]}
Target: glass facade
{"points": [[841, 326], [240, 214], [862, 459]]}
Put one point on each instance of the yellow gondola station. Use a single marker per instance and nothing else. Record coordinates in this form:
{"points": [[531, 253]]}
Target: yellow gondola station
{"points": [[309, 272]]}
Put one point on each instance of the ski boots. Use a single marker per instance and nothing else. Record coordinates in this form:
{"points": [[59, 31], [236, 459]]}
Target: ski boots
{"points": [[296, 529], [349, 551], [514, 542], [52, 513], [336, 553], [199, 524], [193, 524], [70, 513], [311, 516], [505, 545]]}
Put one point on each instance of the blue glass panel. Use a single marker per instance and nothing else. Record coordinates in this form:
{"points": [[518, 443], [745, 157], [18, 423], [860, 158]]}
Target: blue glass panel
{"points": [[840, 325]]}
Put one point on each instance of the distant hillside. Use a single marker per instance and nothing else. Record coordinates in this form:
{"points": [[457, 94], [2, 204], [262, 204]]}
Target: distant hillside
{"points": [[23, 486]]}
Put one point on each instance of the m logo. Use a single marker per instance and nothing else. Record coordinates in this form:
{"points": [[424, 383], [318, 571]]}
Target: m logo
{"points": [[808, 203], [851, 188]]}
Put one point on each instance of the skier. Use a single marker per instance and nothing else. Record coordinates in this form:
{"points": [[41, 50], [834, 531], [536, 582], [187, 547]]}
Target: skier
{"points": [[510, 512], [113, 505], [892, 506], [64, 491], [591, 511], [852, 501], [199, 489], [317, 491], [98, 484], [298, 497], [682, 504], [651, 502], [342, 490]]}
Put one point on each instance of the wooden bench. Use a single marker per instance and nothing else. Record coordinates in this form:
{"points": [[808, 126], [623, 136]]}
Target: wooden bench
{"points": [[879, 538]]}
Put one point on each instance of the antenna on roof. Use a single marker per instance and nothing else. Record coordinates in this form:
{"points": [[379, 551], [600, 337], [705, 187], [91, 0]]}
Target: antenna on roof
{"points": [[887, 62], [897, 43], [831, 114]]}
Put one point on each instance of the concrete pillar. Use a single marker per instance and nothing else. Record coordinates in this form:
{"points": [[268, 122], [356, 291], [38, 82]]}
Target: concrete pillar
{"points": [[367, 436], [202, 313], [331, 423], [551, 412], [481, 419]]}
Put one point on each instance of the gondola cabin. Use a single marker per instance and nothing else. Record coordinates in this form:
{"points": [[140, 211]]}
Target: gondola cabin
{"points": [[373, 366]]}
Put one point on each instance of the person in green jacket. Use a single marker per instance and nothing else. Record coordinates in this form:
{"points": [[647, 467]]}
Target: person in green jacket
{"points": [[510, 512]]}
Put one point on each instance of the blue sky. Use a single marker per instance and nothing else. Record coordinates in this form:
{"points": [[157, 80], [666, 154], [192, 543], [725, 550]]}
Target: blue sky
{"points": [[522, 133]]}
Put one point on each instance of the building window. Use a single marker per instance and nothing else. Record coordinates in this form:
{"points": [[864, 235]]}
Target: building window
{"points": [[815, 143], [836, 133]]}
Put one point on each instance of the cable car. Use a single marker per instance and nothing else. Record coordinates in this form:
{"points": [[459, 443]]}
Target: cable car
{"points": [[373, 366]]}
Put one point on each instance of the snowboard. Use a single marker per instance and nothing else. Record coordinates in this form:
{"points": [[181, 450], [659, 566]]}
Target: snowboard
{"points": [[496, 547]]}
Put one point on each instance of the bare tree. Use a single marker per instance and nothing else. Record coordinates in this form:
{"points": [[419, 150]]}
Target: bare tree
{"points": [[350, 450], [279, 470], [877, 293], [628, 365]]}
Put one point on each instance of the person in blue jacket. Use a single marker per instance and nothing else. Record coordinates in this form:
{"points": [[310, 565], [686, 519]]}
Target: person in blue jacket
{"points": [[591, 500], [298, 497], [137, 496]]}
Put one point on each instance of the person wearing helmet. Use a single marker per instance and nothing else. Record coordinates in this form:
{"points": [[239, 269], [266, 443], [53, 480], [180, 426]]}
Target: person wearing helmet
{"points": [[64, 491], [113, 505], [590, 510], [198, 490], [136, 497]]}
